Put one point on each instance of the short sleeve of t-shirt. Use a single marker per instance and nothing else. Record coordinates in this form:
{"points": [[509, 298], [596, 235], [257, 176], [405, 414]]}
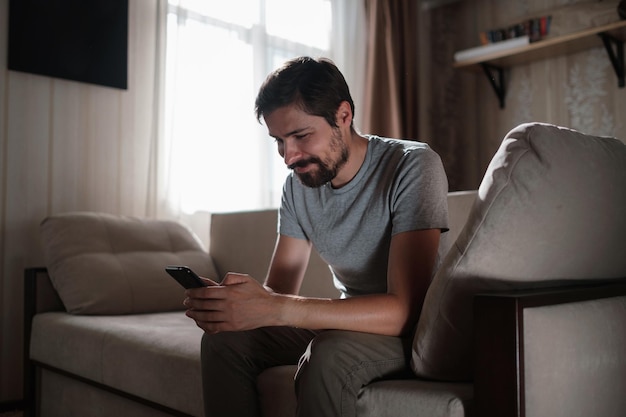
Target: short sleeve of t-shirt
{"points": [[419, 198]]}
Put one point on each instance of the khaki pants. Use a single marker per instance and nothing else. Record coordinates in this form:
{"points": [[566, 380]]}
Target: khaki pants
{"points": [[334, 366]]}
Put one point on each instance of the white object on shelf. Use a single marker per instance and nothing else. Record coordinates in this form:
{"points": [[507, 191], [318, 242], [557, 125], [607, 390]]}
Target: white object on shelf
{"points": [[491, 48]]}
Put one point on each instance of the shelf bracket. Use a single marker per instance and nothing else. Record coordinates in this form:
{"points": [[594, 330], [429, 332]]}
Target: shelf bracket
{"points": [[496, 83], [616, 55]]}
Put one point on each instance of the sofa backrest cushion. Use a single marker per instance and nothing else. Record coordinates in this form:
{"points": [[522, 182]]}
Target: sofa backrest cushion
{"points": [[460, 204], [244, 242], [550, 210], [105, 264]]}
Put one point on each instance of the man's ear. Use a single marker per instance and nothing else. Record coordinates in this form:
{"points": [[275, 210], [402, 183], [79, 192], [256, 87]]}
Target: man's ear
{"points": [[343, 116]]}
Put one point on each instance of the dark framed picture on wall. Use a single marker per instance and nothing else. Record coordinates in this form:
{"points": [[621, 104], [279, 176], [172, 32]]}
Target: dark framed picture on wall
{"points": [[78, 40]]}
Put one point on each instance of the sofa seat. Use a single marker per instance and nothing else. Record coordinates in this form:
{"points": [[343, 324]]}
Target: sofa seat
{"points": [[392, 398], [155, 360], [417, 398], [155, 356]]}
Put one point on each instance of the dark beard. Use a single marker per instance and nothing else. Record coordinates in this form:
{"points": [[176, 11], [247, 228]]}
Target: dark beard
{"points": [[327, 170], [318, 178]]}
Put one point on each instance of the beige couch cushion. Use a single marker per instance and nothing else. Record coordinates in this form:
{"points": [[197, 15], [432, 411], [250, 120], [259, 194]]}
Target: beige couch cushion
{"points": [[244, 242], [152, 356], [105, 264], [392, 398], [550, 208]]}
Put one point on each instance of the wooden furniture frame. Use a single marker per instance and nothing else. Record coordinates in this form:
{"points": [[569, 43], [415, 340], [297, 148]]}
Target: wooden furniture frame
{"points": [[499, 382]]}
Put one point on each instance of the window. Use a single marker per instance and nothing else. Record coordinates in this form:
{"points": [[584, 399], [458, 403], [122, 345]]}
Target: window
{"points": [[218, 54]]}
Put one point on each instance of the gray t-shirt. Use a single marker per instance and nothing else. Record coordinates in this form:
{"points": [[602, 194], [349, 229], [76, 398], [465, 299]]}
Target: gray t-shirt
{"points": [[400, 187]]}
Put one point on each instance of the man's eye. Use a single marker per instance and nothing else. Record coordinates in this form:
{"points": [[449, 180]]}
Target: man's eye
{"points": [[302, 136]]}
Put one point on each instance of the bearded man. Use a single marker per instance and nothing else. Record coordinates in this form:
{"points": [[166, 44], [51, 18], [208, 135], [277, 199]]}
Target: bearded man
{"points": [[374, 208]]}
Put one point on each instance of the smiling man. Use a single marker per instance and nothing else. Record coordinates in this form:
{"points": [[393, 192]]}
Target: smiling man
{"points": [[374, 208]]}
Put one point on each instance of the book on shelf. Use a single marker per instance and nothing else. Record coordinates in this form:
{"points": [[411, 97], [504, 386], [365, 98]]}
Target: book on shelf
{"points": [[490, 48], [535, 28]]}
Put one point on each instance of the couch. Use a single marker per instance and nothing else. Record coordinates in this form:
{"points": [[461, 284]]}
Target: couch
{"points": [[525, 317]]}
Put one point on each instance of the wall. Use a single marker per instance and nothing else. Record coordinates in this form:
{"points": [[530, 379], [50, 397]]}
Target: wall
{"points": [[578, 91], [68, 146]]}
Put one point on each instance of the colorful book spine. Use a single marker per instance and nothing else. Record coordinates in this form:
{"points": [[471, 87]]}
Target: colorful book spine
{"points": [[535, 29]]}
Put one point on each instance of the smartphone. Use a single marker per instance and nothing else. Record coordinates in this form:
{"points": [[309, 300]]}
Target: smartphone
{"points": [[185, 276]]}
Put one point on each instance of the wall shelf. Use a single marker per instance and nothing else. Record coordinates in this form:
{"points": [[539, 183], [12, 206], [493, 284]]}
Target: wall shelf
{"points": [[611, 35]]}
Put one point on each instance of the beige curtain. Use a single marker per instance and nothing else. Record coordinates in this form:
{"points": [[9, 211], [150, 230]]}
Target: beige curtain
{"points": [[412, 91], [391, 87]]}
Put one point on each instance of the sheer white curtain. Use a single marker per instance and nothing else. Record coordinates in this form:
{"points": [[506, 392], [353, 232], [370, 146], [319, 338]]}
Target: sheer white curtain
{"points": [[218, 157]]}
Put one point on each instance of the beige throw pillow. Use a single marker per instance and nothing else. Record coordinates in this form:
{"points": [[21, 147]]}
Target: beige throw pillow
{"points": [[105, 264]]}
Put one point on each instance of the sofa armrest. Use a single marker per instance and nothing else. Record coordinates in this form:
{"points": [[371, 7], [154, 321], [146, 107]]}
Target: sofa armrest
{"points": [[561, 347], [39, 297], [39, 294]]}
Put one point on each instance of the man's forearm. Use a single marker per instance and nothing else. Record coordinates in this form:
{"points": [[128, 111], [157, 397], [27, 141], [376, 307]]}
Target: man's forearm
{"points": [[383, 314]]}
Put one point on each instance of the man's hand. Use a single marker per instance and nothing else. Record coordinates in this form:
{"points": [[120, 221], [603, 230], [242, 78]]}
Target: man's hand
{"points": [[238, 303]]}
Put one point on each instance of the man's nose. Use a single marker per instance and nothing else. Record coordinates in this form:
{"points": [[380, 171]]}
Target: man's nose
{"points": [[291, 152]]}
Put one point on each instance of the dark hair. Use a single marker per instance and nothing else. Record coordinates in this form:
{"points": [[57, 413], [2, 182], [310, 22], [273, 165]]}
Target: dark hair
{"points": [[315, 85]]}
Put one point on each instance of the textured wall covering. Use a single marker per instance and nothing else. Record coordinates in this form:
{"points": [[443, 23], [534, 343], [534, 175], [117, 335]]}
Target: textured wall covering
{"points": [[449, 97], [578, 90]]}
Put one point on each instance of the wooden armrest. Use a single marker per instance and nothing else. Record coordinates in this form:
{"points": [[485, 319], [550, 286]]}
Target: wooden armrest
{"points": [[39, 294], [499, 340], [39, 297]]}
